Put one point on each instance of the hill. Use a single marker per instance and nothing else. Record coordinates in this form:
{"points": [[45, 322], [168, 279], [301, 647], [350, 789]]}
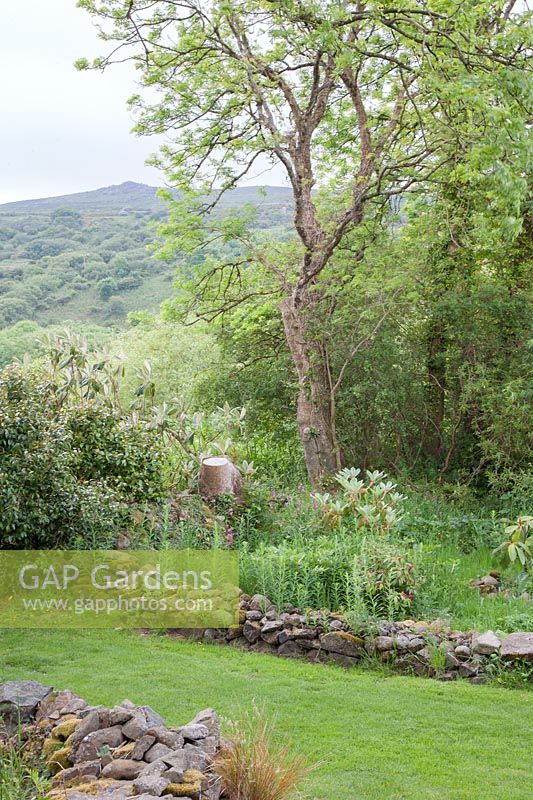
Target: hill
{"points": [[86, 256], [131, 196]]}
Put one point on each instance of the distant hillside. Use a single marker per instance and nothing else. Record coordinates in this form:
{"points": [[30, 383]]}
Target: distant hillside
{"points": [[131, 196], [86, 256]]}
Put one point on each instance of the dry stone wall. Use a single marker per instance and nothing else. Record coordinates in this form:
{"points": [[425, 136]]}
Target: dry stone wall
{"points": [[423, 648], [98, 753]]}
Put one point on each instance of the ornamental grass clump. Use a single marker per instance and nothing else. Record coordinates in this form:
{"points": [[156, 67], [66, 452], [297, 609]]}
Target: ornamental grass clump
{"points": [[255, 767]]}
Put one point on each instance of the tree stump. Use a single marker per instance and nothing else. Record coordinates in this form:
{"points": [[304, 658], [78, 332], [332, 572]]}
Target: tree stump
{"points": [[219, 476]]}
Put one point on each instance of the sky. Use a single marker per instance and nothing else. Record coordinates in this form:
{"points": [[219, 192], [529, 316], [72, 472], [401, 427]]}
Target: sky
{"points": [[65, 131]]}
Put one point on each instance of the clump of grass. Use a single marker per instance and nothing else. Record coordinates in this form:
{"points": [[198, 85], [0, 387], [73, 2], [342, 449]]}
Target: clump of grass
{"points": [[256, 767], [20, 776]]}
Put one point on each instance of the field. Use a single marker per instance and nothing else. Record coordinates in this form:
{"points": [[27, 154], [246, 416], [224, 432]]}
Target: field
{"points": [[373, 736]]}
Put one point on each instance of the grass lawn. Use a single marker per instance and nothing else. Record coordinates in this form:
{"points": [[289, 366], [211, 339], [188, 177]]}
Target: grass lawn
{"points": [[377, 737]]}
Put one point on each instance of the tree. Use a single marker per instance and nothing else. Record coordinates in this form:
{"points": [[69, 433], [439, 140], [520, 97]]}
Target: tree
{"points": [[106, 288], [361, 99]]}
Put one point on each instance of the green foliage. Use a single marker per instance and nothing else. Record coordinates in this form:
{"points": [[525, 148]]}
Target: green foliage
{"points": [[71, 458], [44, 504], [518, 548], [22, 777], [371, 504], [385, 577], [120, 449]]}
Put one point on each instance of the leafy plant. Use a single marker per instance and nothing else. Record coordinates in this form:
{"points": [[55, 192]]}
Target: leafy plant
{"points": [[518, 547], [384, 576], [371, 503]]}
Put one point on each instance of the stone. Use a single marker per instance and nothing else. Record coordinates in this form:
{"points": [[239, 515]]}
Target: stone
{"points": [[119, 715], [288, 649], [136, 727], [462, 651], [345, 644], [194, 731], [251, 631], [382, 643], [416, 644], [123, 769], [401, 642], [260, 603], [150, 785], [88, 725], [54, 704], [486, 644], [156, 752], [467, 669], [254, 616], [90, 748], [271, 626], [89, 769], [19, 701], [145, 796], [451, 661], [270, 637], [180, 759], [234, 633], [170, 738], [209, 718], [142, 746], [517, 645]]}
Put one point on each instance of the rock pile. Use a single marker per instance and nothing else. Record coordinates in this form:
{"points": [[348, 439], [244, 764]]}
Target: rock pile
{"points": [[98, 753], [425, 648]]}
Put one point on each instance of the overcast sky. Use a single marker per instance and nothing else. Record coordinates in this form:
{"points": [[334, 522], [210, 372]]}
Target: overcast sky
{"points": [[64, 131]]}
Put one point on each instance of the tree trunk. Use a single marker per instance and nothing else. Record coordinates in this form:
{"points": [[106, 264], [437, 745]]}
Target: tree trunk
{"points": [[436, 394], [314, 402], [219, 476]]}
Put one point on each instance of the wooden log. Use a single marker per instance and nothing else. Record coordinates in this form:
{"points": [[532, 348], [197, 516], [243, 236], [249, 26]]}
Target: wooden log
{"points": [[219, 476]]}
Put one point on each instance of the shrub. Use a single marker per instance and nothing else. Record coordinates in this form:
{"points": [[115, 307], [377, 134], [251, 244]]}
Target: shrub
{"points": [[43, 502], [68, 469], [518, 547], [120, 449], [255, 767], [384, 577], [372, 503]]}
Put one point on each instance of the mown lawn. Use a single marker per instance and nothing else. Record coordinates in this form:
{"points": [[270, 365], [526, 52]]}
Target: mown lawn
{"points": [[377, 737]]}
